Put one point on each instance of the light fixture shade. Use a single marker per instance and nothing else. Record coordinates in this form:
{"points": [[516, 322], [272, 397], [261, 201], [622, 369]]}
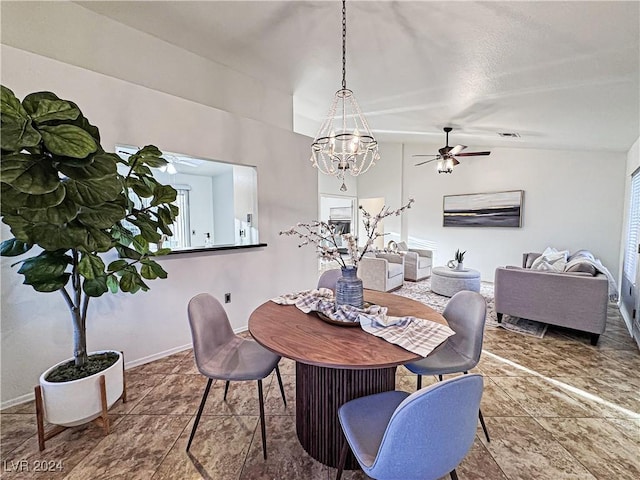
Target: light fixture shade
{"points": [[445, 165], [344, 142]]}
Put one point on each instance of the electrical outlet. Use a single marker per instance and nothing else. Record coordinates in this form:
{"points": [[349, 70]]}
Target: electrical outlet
{"points": [[227, 298]]}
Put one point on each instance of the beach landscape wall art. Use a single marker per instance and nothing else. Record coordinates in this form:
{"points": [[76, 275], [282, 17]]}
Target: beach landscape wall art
{"points": [[498, 209]]}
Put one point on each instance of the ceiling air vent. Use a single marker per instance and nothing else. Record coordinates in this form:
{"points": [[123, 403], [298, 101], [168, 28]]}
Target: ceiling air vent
{"points": [[509, 134]]}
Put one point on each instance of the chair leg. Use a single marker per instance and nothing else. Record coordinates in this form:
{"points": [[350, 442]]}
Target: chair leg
{"points": [[419, 382], [343, 459], [454, 475], [226, 389], [484, 427], [202, 402], [281, 386], [262, 427]]}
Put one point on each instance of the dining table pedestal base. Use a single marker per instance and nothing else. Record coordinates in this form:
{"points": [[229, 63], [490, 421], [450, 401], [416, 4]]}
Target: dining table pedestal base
{"points": [[320, 391]]}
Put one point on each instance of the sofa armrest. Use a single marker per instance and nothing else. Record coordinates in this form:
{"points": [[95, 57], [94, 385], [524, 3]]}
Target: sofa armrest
{"points": [[373, 273]]}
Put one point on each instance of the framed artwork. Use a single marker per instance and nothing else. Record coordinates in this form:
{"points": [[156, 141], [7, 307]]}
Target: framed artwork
{"points": [[497, 209]]}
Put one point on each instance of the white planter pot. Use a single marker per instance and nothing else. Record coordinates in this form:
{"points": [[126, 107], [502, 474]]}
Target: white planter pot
{"points": [[78, 401]]}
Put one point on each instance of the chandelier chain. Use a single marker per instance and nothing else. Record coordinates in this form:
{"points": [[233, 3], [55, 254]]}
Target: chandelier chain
{"points": [[344, 44]]}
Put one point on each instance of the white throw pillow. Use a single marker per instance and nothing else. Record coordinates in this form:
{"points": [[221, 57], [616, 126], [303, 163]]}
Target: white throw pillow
{"points": [[551, 260]]}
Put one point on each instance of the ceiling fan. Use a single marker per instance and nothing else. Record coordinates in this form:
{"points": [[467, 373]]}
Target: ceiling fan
{"points": [[446, 156]]}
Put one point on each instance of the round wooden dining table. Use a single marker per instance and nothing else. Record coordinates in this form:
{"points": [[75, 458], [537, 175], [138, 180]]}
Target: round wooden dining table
{"points": [[334, 364]]}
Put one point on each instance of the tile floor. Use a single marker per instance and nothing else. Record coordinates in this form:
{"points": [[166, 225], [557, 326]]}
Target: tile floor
{"points": [[556, 408]]}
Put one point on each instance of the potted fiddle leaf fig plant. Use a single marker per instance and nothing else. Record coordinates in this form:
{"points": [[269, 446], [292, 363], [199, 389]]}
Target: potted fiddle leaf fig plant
{"points": [[88, 219]]}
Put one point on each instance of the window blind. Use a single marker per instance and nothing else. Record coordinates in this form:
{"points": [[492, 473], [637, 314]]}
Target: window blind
{"points": [[631, 252]]}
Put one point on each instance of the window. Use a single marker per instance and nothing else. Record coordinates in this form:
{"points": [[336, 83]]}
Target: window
{"points": [[630, 254], [180, 227]]}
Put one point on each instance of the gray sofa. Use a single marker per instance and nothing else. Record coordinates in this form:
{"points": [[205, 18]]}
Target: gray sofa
{"points": [[575, 300]]}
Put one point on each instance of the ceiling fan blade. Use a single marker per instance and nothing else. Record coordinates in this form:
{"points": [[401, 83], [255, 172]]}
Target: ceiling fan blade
{"points": [[428, 161], [473, 154], [424, 155], [458, 148]]}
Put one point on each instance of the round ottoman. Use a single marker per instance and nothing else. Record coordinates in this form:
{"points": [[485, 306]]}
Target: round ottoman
{"points": [[448, 282]]}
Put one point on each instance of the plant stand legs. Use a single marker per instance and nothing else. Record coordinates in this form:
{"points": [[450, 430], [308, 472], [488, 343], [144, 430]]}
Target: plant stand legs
{"points": [[102, 420]]}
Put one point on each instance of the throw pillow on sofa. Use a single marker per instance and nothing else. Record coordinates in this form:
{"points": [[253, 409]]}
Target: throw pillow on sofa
{"points": [[551, 260]]}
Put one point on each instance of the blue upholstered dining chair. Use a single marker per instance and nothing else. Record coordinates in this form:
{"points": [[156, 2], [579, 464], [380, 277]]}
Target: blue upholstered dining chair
{"points": [[329, 278], [419, 436], [466, 314], [220, 354]]}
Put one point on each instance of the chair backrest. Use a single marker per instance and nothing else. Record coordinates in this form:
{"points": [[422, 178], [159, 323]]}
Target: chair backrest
{"points": [[329, 278], [210, 327], [431, 431], [466, 314], [402, 247]]}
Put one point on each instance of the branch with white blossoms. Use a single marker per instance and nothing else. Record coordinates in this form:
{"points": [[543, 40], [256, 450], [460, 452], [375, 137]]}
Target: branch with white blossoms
{"points": [[323, 235]]}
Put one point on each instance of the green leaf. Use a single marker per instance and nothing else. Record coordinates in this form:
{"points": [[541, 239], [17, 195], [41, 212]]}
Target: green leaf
{"points": [[91, 266], [20, 228], [31, 101], [152, 270], [126, 252], [68, 140], [13, 248], [162, 251], [10, 106], [112, 283], [103, 165], [117, 265], [93, 192], [49, 110], [129, 283], [46, 200], [58, 214], [96, 240], [95, 287], [18, 134], [46, 272], [56, 237], [164, 194], [139, 187], [102, 216], [140, 244], [29, 174], [122, 235]]}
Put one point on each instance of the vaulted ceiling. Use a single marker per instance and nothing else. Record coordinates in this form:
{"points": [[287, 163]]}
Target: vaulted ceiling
{"points": [[561, 74]]}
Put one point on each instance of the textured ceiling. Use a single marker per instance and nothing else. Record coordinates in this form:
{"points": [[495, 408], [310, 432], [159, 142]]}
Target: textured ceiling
{"points": [[561, 74]]}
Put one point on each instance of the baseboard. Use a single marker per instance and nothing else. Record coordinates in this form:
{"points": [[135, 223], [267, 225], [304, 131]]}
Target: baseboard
{"points": [[133, 363]]}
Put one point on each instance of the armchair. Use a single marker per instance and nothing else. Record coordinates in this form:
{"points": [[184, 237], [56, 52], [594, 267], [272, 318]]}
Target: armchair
{"points": [[417, 262], [383, 271]]}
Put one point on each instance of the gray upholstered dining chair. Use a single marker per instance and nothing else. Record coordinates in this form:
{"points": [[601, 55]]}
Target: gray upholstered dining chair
{"points": [[423, 435], [329, 278], [220, 354], [466, 315]]}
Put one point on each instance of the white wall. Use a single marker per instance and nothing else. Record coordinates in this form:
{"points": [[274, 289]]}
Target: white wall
{"points": [[36, 328], [223, 215], [570, 200]]}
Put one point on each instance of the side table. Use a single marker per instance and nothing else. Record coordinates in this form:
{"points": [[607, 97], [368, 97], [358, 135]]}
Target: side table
{"points": [[446, 281]]}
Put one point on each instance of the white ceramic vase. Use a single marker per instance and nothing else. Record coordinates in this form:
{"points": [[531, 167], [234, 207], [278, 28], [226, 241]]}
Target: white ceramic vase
{"points": [[78, 401]]}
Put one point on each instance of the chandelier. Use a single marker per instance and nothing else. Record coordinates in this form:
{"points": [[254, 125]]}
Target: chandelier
{"points": [[344, 142]]}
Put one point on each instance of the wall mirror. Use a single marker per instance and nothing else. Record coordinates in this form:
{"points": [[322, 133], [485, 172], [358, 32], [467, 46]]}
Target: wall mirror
{"points": [[218, 202]]}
